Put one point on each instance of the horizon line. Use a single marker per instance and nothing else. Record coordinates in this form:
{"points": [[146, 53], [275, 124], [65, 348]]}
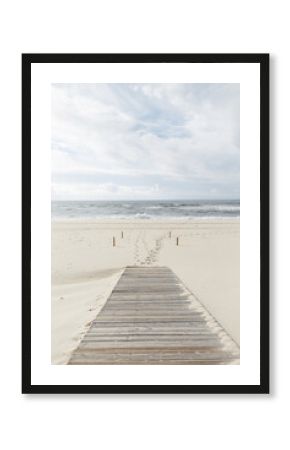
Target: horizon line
{"points": [[147, 200]]}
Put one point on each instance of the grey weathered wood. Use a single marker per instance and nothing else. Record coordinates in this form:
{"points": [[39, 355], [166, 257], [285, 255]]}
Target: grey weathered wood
{"points": [[150, 318]]}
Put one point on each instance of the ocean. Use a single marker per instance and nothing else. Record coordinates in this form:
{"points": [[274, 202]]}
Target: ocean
{"points": [[150, 210]]}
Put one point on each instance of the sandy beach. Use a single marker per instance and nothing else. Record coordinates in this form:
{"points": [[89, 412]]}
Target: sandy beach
{"points": [[86, 267]]}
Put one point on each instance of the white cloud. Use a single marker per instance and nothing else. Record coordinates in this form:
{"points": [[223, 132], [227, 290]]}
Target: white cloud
{"points": [[183, 137], [105, 191]]}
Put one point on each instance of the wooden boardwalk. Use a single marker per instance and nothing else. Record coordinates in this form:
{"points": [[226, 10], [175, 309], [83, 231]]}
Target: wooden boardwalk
{"points": [[150, 318]]}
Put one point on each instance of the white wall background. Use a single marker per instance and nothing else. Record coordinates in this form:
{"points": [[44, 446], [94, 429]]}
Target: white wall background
{"points": [[154, 421]]}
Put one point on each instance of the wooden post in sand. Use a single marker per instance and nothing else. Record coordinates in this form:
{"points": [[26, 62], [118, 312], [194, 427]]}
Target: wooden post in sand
{"points": [[177, 241], [169, 234], [122, 234], [114, 241]]}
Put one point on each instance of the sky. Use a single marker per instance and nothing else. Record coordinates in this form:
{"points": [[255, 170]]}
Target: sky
{"points": [[145, 141]]}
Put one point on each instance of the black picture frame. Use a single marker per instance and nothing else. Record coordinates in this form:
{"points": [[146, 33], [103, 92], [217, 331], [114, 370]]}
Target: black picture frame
{"points": [[263, 61]]}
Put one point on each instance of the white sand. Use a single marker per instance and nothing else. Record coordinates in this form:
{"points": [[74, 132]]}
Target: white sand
{"points": [[86, 267]]}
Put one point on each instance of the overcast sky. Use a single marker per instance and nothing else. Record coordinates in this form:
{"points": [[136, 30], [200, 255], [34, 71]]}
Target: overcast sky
{"points": [[145, 141]]}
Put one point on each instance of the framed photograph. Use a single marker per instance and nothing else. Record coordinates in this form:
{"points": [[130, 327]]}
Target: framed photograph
{"points": [[145, 230]]}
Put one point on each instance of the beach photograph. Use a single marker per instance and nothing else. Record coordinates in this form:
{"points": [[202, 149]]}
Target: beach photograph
{"points": [[145, 223]]}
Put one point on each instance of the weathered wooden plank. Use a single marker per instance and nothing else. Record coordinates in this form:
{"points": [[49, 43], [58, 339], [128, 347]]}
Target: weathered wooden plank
{"points": [[119, 330], [118, 344], [148, 361], [158, 350], [150, 318], [145, 332], [150, 358], [157, 323], [157, 356], [140, 356], [148, 303], [150, 298], [151, 315], [149, 310], [144, 337], [148, 291]]}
